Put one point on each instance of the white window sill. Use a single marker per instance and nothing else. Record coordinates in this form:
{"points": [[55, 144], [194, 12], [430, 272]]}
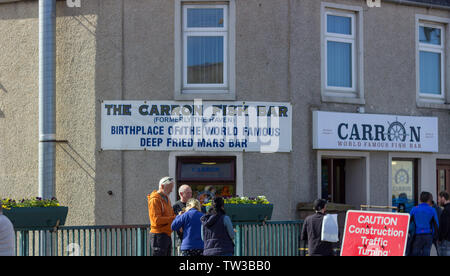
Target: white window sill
{"points": [[423, 103], [207, 95], [346, 99]]}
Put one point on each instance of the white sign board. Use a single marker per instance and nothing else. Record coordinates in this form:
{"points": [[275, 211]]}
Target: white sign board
{"points": [[351, 131], [196, 125]]}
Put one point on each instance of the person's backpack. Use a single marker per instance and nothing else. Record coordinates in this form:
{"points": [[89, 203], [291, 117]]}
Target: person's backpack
{"points": [[330, 229]]}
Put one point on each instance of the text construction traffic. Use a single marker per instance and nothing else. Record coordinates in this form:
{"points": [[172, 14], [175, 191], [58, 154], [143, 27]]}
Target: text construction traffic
{"points": [[375, 234], [196, 125]]}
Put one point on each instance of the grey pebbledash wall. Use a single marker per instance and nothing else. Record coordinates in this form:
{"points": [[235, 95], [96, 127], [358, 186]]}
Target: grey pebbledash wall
{"points": [[124, 50]]}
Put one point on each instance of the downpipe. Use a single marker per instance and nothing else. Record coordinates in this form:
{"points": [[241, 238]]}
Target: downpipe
{"points": [[47, 104]]}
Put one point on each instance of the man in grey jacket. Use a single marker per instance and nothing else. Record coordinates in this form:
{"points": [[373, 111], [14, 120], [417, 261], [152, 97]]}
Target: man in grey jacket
{"points": [[7, 236]]}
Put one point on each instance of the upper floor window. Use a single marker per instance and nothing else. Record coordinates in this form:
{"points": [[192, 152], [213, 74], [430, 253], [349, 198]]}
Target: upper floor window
{"points": [[205, 35], [431, 60], [342, 53], [204, 50]]}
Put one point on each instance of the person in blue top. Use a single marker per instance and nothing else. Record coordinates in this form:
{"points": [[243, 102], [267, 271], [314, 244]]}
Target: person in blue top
{"points": [[192, 243], [424, 223]]}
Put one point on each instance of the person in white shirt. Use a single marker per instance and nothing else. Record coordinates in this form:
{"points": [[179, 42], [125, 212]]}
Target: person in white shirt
{"points": [[7, 236]]}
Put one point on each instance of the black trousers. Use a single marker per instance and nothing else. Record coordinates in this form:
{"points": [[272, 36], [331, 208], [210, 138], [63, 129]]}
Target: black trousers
{"points": [[161, 244]]}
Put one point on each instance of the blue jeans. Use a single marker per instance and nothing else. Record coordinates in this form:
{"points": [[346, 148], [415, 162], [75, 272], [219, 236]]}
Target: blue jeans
{"points": [[421, 245], [444, 248]]}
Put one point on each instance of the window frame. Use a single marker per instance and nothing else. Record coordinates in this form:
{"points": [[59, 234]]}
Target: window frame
{"points": [[424, 100], [205, 31], [185, 91], [342, 38], [355, 94], [431, 48]]}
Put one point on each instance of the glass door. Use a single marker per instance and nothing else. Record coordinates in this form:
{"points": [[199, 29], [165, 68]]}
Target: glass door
{"points": [[404, 184], [333, 180], [443, 175]]}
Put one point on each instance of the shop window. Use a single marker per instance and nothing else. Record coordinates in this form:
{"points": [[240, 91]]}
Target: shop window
{"points": [[404, 184], [207, 176]]}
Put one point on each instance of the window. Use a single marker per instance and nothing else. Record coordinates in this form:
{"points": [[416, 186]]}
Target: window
{"points": [[342, 54], [205, 34], [443, 175], [404, 183], [207, 176], [204, 56], [431, 60], [340, 51]]}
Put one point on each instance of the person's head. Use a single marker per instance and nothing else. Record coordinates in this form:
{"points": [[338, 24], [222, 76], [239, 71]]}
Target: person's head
{"points": [[193, 203], [443, 198], [320, 205], [185, 193], [210, 189], [217, 205], [426, 197], [166, 185]]}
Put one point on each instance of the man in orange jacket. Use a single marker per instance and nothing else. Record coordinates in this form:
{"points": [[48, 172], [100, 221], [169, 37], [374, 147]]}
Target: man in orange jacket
{"points": [[161, 216]]}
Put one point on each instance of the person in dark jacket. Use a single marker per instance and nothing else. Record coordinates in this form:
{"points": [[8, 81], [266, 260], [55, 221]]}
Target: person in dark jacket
{"points": [[185, 193], [217, 231], [312, 231], [444, 228]]}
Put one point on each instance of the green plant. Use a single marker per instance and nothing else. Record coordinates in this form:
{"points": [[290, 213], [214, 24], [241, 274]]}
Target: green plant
{"points": [[244, 200], [8, 203]]}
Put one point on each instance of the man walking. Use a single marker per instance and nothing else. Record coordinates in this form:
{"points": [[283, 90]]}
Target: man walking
{"points": [[161, 216], [312, 231], [425, 220], [444, 228]]}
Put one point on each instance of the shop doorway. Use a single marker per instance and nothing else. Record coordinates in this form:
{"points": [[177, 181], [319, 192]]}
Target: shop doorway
{"points": [[344, 181], [443, 175], [333, 180], [208, 176]]}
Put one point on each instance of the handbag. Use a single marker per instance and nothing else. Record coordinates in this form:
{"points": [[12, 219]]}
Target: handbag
{"points": [[330, 228]]}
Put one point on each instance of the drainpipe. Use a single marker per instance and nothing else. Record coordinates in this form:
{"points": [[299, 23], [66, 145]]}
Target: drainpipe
{"points": [[47, 75], [417, 4]]}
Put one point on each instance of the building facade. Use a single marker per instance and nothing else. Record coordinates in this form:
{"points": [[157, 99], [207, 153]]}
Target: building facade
{"points": [[366, 91]]}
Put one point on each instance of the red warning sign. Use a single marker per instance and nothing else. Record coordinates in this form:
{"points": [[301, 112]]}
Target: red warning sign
{"points": [[375, 234]]}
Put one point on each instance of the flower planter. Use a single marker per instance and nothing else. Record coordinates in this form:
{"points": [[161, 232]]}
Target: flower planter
{"points": [[249, 212], [37, 217]]}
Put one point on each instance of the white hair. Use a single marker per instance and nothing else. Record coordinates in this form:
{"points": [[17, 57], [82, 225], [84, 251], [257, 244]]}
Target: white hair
{"points": [[165, 181], [183, 188]]}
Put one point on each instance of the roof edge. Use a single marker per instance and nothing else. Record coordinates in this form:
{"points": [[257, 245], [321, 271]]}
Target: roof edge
{"points": [[419, 4]]}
